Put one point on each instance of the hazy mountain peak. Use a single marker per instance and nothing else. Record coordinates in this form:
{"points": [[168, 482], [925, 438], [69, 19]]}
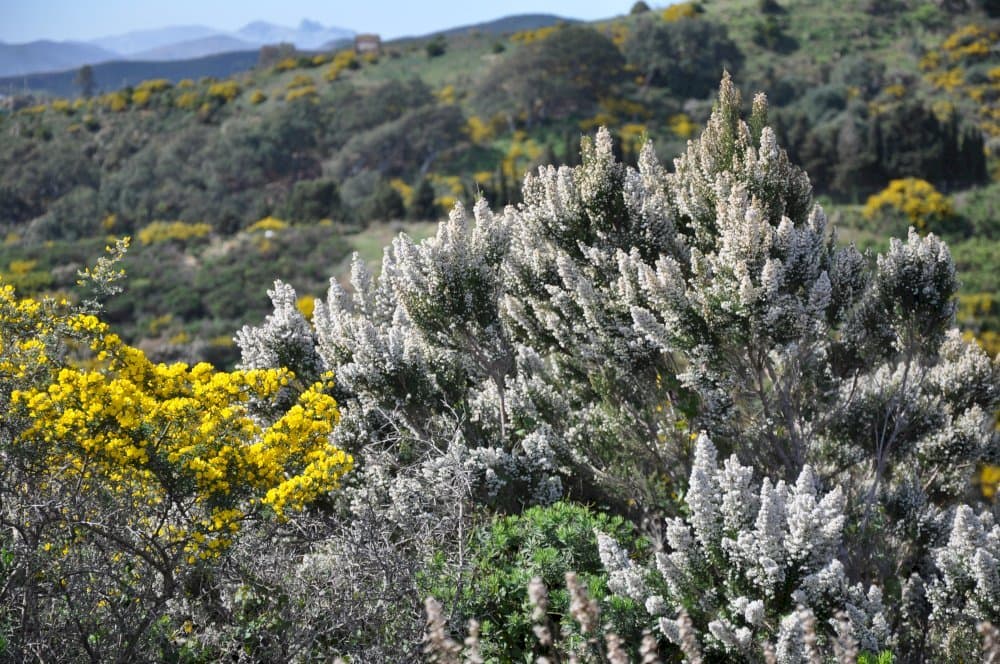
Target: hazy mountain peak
{"points": [[308, 35], [137, 41]]}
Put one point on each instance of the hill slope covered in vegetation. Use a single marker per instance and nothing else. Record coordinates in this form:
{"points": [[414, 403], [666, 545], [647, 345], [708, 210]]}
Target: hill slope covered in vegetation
{"points": [[866, 96]]}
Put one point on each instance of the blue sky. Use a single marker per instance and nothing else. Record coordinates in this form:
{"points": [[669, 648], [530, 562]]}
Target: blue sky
{"points": [[28, 20]]}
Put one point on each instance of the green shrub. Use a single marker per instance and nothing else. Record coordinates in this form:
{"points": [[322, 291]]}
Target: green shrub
{"points": [[507, 552]]}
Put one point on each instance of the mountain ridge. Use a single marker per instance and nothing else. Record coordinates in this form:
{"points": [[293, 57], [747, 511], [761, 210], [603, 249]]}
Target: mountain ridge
{"points": [[170, 43], [50, 55]]}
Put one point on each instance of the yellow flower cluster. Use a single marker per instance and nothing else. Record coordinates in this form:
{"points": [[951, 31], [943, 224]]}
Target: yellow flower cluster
{"points": [[343, 60], [154, 85], [679, 11], [971, 41], [945, 69], [308, 92], [166, 231], [224, 91], [186, 444], [267, 224], [917, 199], [532, 36]]}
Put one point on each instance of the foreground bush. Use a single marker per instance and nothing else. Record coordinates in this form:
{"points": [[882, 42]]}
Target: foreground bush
{"points": [[575, 345], [124, 483], [542, 543]]}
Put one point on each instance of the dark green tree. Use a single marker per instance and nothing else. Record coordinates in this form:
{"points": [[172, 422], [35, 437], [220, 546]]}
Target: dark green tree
{"points": [[423, 207], [686, 57], [563, 74], [313, 200], [385, 204], [436, 46], [85, 80]]}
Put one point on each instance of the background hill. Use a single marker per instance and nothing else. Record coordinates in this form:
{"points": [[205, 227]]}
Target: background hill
{"points": [[46, 55], [898, 98], [162, 44], [117, 74], [196, 48], [138, 41]]}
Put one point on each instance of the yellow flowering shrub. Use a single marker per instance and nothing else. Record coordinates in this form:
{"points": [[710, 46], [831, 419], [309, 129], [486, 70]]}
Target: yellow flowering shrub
{"points": [[341, 61], [267, 224], [306, 304], [141, 98], [224, 91], [633, 136], [970, 42], [954, 69], [519, 155], [186, 449], [167, 231], [949, 79], [679, 11], [532, 36], [115, 101], [916, 199], [154, 85], [404, 190], [682, 126], [125, 478], [307, 92], [300, 81], [187, 100], [257, 97], [989, 481], [446, 95], [62, 106]]}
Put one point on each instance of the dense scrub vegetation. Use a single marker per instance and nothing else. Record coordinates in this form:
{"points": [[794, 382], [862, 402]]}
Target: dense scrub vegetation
{"points": [[527, 396], [356, 139], [651, 409]]}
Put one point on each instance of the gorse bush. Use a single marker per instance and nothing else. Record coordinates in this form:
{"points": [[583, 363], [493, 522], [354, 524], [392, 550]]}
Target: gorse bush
{"points": [[125, 483]]}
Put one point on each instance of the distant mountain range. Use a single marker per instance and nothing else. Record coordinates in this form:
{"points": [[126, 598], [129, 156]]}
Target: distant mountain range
{"points": [[162, 45]]}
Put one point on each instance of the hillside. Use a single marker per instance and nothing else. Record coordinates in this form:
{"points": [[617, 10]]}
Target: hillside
{"points": [[110, 76], [673, 337], [359, 140]]}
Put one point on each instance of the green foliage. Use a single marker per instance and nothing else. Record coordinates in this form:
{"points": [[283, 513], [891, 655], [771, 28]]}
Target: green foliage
{"points": [[508, 551], [313, 200], [686, 57], [424, 206], [436, 47], [770, 34], [565, 73], [385, 204]]}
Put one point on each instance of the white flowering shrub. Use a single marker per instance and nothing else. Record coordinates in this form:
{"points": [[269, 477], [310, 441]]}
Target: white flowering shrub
{"points": [[964, 588], [569, 346], [802, 352], [747, 562]]}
